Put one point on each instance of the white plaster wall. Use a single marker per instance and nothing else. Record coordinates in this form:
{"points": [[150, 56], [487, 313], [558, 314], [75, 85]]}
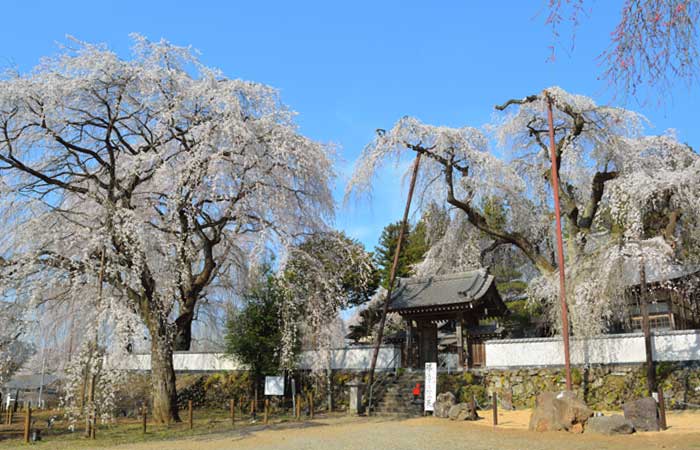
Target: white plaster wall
{"points": [[351, 358], [354, 358], [185, 361], [681, 345]]}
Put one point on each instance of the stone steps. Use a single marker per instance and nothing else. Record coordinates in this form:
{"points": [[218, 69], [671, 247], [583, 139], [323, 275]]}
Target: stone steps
{"points": [[396, 396]]}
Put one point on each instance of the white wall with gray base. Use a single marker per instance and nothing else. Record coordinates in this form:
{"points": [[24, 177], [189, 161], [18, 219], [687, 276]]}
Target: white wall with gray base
{"points": [[680, 345]]}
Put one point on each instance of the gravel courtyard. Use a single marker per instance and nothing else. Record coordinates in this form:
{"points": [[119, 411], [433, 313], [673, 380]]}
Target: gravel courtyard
{"points": [[433, 434]]}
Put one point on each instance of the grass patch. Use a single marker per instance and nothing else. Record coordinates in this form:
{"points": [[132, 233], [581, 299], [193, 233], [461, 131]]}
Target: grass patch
{"points": [[130, 430]]}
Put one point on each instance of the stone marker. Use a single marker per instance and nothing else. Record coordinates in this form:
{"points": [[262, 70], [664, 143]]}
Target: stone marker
{"points": [[355, 405], [615, 424], [643, 414], [559, 411], [463, 411], [443, 403]]}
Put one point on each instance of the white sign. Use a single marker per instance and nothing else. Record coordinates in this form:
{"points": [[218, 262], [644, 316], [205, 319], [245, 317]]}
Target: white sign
{"points": [[430, 389], [274, 385]]}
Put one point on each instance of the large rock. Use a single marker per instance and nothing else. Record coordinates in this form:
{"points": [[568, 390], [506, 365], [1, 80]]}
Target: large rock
{"points": [[558, 411], [615, 424], [463, 411], [443, 403], [643, 414], [506, 400]]}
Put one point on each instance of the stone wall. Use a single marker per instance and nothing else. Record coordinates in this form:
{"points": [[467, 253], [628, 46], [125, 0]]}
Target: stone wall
{"points": [[602, 387]]}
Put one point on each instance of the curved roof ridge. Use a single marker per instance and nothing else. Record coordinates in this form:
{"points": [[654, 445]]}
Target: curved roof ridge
{"points": [[445, 277]]}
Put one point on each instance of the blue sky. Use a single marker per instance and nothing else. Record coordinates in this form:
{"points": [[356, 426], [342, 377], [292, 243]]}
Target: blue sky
{"points": [[349, 68]]}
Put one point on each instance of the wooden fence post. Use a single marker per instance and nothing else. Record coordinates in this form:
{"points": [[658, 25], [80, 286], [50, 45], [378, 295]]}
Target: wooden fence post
{"points": [[267, 411], [662, 408], [27, 423], [93, 425], [495, 409], [232, 406], [189, 407], [311, 404], [144, 412]]}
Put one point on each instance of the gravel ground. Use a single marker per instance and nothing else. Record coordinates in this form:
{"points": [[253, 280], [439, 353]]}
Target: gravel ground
{"points": [[421, 433]]}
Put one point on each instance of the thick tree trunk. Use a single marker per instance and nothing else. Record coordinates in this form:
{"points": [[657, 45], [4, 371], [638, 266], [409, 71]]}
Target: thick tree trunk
{"points": [[163, 377], [183, 331]]}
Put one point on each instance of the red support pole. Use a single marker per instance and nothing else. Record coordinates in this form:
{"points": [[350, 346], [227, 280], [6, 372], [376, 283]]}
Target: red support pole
{"points": [[560, 244]]}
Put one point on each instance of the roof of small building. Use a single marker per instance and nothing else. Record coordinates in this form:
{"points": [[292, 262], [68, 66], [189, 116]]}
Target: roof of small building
{"points": [[445, 291]]}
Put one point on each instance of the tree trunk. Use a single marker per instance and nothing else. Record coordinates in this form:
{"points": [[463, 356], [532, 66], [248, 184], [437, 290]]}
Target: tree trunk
{"points": [[163, 377], [183, 331]]}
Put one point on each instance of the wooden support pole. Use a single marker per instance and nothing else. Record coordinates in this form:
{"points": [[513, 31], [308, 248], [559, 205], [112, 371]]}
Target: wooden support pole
{"points": [[560, 245], [232, 406], [495, 409], [662, 409], [144, 413], [252, 408], [298, 411], [267, 411], [189, 413], [27, 424], [392, 279], [646, 328]]}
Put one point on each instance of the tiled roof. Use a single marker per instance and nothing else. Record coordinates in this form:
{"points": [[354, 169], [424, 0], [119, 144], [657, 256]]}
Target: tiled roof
{"points": [[443, 290]]}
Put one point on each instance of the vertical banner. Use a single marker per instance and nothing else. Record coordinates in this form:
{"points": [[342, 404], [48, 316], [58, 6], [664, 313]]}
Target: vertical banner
{"points": [[430, 389]]}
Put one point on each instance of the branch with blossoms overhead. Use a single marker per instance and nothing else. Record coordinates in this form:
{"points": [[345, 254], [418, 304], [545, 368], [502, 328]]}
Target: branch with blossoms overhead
{"points": [[654, 43], [614, 183]]}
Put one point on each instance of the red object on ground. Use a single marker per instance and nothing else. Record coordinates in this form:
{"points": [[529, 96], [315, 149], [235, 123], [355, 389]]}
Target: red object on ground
{"points": [[416, 390]]}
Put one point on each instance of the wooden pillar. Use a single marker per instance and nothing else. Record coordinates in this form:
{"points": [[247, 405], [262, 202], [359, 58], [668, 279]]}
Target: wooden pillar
{"points": [[460, 340], [409, 344], [467, 343]]}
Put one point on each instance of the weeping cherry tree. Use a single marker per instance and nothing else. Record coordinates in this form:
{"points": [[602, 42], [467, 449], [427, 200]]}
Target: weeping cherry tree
{"points": [[166, 170], [616, 186]]}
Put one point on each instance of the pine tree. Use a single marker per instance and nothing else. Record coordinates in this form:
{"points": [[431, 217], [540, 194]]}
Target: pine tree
{"points": [[412, 252]]}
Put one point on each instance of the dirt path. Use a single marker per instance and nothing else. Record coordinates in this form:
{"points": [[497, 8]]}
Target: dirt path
{"points": [[433, 434]]}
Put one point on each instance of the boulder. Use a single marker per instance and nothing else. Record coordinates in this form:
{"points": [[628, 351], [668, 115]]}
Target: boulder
{"points": [[506, 400], [615, 424], [443, 403], [463, 411], [570, 410], [559, 411], [643, 414]]}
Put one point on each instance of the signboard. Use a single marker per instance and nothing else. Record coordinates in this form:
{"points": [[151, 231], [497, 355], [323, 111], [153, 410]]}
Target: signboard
{"points": [[430, 391], [274, 385]]}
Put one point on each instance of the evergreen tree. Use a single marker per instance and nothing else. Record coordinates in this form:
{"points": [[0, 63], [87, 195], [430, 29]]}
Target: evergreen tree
{"points": [[253, 332], [412, 252]]}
